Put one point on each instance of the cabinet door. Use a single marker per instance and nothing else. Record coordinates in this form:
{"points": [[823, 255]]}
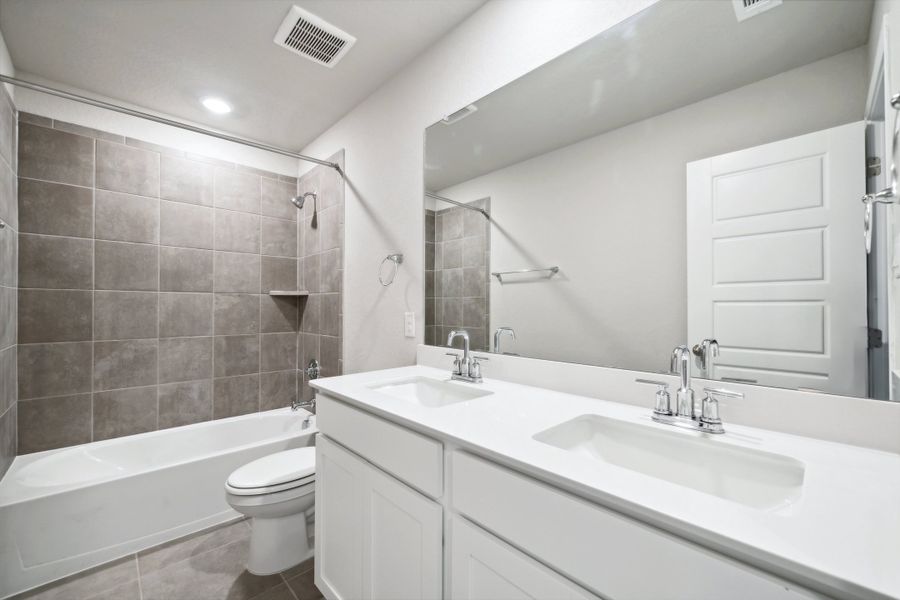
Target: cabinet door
{"points": [[404, 541], [376, 538], [340, 499], [484, 568]]}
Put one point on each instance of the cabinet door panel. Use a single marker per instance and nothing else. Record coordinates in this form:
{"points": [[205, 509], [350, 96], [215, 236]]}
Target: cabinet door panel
{"points": [[484, 568], [404, 543], [340, 480]]}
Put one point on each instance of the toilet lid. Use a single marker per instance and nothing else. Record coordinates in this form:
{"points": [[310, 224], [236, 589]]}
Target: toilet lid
{"points": [[275, 469]]}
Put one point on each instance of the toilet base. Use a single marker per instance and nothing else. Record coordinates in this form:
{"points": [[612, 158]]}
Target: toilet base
{"points": [[278, 543]]}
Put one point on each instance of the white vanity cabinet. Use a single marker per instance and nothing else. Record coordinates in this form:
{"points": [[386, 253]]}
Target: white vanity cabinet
{"points": [[375, 537], [399, 515]]}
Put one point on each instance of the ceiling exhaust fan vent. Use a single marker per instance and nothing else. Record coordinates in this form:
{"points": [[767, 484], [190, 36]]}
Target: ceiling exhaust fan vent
{"points": [[305, 34], [459, 115], [744, 9]]}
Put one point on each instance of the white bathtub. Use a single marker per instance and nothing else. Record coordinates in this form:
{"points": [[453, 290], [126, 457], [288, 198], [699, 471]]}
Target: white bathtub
{"points": [[63, 511]]}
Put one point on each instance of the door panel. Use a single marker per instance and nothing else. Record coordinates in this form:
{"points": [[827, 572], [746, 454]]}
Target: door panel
{"points": [[776, 261]]}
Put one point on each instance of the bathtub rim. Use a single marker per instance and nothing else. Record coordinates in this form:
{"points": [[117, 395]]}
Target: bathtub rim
{"points": [[27, 459]]}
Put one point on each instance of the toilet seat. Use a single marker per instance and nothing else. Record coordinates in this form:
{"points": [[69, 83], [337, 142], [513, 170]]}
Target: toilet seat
{"points": [[277, 472]]}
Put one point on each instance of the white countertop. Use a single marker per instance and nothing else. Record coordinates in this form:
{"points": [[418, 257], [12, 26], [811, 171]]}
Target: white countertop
{"points": [[841, 537]]}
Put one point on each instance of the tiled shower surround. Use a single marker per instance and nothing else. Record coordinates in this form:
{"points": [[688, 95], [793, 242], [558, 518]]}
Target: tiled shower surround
{"points": [[321, 244], [457, 261], [8, 271], [144, 274]]}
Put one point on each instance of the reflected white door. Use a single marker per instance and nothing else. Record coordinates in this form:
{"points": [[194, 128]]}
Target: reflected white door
{"points": [[776, 261]]}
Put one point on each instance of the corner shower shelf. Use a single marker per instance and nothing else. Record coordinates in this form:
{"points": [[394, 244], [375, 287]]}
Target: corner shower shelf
{"points": [[293, 293]]}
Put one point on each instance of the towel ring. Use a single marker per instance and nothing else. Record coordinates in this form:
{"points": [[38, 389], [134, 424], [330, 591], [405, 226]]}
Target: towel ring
{"points": [[397, 259]]}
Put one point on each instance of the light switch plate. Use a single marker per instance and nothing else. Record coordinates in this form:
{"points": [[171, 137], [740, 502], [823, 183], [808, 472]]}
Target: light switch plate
{"points": [[409, 324]]}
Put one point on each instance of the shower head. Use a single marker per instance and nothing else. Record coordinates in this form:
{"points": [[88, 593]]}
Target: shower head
{"points": [[299, 200]]}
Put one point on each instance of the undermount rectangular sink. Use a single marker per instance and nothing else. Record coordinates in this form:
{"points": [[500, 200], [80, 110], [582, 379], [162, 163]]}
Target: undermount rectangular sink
{"points": [[432, 393], [755, 478]]}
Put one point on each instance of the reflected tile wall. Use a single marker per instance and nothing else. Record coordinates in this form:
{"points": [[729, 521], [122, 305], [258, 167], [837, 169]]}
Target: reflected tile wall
{"points": [[142, 287], [457, 268], [8, 282], [320, 239]]}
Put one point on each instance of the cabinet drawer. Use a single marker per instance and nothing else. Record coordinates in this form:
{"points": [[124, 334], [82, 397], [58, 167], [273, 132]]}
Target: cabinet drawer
{"points": [[485, 568], [615, 556], [405, 454]]}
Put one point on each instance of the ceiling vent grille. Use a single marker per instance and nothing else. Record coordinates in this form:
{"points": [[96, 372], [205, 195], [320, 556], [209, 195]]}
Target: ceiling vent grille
{"points": [[305, 34], [744, 9]]}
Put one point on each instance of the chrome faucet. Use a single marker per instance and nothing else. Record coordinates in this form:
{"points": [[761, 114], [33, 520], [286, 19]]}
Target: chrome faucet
{"points": [[498, 333], [684, 397], [308, 405], [465, 368], [685, 413]]}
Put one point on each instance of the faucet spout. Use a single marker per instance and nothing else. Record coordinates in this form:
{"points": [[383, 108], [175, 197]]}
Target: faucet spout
{"points": [[681, 364]]}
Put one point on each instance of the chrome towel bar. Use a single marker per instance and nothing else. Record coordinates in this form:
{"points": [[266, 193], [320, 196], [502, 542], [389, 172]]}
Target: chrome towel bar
{"points": [[551, 271]]}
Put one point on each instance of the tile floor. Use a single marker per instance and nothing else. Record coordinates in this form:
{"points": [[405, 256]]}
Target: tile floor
{"points": [[205, 566]]}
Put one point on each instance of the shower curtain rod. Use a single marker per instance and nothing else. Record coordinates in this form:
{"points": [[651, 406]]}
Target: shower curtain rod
{"points": [[457, 203], [142, 115]]}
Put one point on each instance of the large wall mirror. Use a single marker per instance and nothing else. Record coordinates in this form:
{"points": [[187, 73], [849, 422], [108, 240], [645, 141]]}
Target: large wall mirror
{"points": [[692, 176]]}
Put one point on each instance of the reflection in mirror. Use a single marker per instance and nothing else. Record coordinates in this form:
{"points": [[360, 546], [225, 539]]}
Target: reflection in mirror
{"points": [[687, 177]]}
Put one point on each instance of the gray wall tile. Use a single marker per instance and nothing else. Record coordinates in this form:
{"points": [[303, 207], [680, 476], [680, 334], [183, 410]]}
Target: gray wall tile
{"points": [[185, 225], [126, 217], [55, 316], [121, 168], [7, 378], [54, 369], [185, 359], [233, 396], [9, 257], [278, 314], [237, 190], [236, 231], [278, 237], [9, 205], [8, 441], [277, 389], [124, 266], [310, 313], [48, 423], [278, 273], [312, 273], [331, 310], [55, 262], [122, 364], [87, 131], [7, 316], [55, 208], [124, 412], [184, 180], [237, 273], [53, 155], [125, 315], [329, 228], [236, 355], [236, 314], [183, 315], [185, 403], [329, 355], [276, 199], [278, 351], [330, 271], [185, 270]]}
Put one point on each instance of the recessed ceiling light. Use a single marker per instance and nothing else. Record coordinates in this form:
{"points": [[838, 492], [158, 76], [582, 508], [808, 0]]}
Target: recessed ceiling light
{"points": [[216, 105]]}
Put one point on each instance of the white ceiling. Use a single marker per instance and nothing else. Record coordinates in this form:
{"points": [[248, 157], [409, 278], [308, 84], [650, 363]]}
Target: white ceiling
{"points": [[166, 54], [672, 54]]}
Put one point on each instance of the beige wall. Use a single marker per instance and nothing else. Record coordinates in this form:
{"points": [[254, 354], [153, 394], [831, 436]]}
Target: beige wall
{"points": [[610, 212]]}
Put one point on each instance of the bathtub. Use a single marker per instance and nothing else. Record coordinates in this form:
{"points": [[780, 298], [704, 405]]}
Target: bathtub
{"points": [[63, 511]]}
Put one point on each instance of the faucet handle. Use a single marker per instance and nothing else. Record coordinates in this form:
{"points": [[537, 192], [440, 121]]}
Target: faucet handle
{"points": [[722, 393], [709, 409], [457, 362], [663, 406]]}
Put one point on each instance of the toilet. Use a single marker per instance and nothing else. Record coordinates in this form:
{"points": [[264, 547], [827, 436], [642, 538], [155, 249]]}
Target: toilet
{"points": [[278, 493]]}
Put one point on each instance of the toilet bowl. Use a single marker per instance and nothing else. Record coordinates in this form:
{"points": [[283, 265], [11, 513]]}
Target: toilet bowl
{"points": [[278, 493]]}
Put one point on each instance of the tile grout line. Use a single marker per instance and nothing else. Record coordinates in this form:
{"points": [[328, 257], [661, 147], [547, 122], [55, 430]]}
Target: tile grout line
{"points": [[93, 279], [158, 280]]}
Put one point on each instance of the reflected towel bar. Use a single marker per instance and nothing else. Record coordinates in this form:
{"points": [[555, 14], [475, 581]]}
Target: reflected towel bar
{"points": [[552, 271]]}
